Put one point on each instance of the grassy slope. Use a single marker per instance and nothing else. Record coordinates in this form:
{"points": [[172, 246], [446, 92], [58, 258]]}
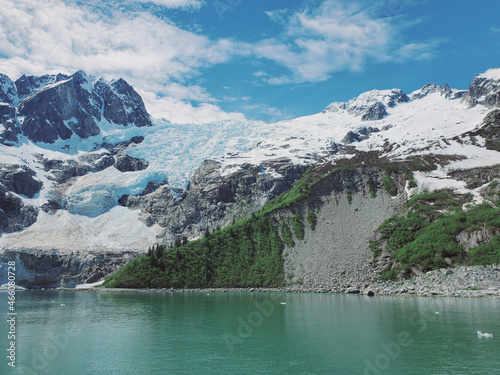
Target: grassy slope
{"points": [[427, 235], [245, 254], [249, 253]]}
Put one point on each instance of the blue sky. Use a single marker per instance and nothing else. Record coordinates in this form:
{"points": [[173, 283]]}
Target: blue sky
{"points": [[205, 60]]}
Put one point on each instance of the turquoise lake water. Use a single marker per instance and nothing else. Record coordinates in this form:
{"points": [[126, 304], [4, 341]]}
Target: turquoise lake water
{"points": [[73, 333]]}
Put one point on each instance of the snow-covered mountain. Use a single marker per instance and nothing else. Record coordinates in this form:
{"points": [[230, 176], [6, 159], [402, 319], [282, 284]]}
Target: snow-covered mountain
{"points": [[84, 169]]}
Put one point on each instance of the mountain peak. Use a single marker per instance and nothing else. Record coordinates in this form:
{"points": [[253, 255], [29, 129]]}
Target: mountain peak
{"points": [[432, 88], [370, 105], [484, 89], [56, 107], [491, 74]]}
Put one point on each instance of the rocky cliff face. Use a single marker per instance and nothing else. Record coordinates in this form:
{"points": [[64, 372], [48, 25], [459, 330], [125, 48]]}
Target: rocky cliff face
{"points": [[76, 105], [52, 269], [9, 128], [213, 199], [484, 90], [14, 213], [336, 255]]}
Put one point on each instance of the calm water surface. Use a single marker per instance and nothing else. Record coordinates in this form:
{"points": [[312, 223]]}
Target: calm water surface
{"points": [[73, 333]]}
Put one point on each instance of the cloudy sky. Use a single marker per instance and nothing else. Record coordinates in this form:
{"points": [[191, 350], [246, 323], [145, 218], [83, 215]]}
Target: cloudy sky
{"points": [[204, 60]]}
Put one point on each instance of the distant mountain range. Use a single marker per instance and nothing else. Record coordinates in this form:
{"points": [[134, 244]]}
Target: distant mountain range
{"points": [[89, 180]]}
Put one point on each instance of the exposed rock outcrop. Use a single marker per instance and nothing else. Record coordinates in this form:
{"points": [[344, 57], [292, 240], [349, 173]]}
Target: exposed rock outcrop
{"points": [[9, 129], [213, 199], [374, 112], [125, 163], [490, 130], [371, 105], [52, 269], [76, 105], [359, 135], [10, 132], [28, 84], [471, 240], [432, 88], [8, 91], [20, 180], [336, 254], [484, 90], [14, 214]]}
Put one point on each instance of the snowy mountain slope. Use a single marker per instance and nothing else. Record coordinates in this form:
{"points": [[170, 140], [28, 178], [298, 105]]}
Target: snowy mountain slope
{"points": [[82, 186]]}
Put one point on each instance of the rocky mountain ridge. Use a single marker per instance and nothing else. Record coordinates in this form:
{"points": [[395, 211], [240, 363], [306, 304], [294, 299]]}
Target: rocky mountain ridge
{"points": [[54, 107], [83, 154]]}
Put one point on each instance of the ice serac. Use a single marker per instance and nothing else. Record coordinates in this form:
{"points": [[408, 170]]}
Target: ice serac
{"points": [[484, 90], [56, 108]]}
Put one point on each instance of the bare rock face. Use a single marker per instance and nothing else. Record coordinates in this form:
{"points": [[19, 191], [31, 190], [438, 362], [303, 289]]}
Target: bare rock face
{"points": [[432, 88], [28, 84], [374, 112], [213, 199], [60, 109], [125, 163], [471, 240], [371, 105], [43, 269], [483, 90], [360, 134], [490, 130], [75, 105], [14, 214], [20, 180], [135, 111], [11, 130], [8, 100], [8, 91]]}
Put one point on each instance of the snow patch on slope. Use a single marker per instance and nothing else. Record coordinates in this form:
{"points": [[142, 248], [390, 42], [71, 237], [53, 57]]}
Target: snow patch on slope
{"points": [[117, 229], [491, 74]]}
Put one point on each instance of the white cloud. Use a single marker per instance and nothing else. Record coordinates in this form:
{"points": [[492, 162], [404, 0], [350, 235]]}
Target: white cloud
{"points": [[495, 29], [182, 4], [182, 112], [337, 36], [49, 36], [416, 51], [273, 114]]}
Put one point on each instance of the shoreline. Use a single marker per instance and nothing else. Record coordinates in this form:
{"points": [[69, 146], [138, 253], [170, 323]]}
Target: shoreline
{"points": [[389, 289], [461, 282], [384, 290]]}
